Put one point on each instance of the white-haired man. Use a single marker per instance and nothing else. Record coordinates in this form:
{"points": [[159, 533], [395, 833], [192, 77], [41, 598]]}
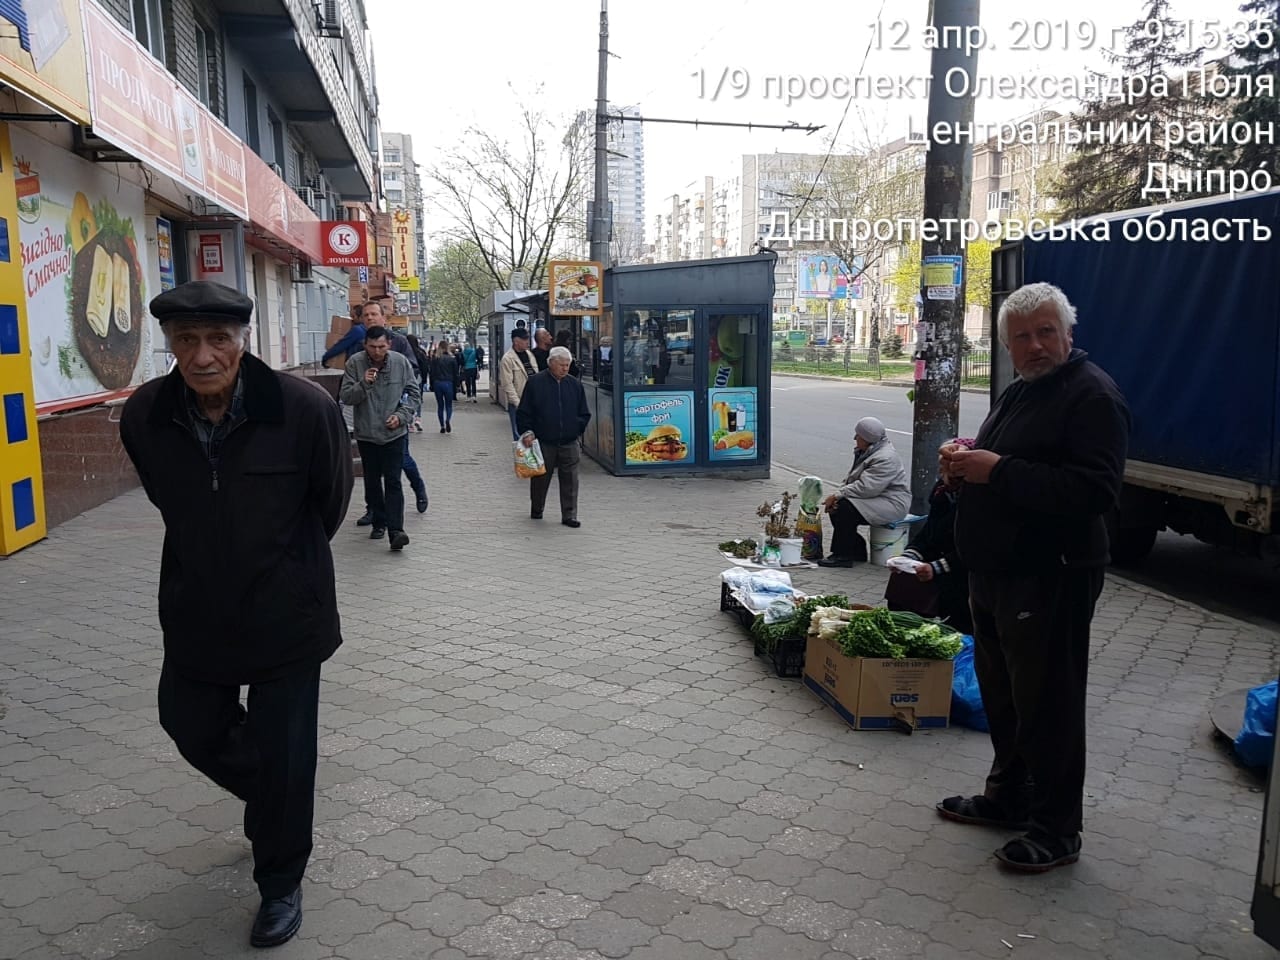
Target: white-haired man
{"points": [[553, 410], [1046, 468], [251, 470]]}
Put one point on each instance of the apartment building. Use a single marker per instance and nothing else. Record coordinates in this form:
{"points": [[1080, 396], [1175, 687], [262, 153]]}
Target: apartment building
{"points": [[168, 140]]}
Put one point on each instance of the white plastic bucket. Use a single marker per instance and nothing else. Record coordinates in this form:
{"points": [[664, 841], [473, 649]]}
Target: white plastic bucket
{"points": [[888, 542], [790, 547]]}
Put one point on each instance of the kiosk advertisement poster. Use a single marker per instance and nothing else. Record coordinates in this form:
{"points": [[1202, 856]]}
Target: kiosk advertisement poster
{"points": [[81, 229], [734, 425], [659, 427]]}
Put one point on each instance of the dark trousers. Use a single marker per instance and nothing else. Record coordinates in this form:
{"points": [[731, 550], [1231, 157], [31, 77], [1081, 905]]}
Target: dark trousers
{"points": [[469, 381], [382, 464], [562, 459], [1031, 654], [266, 757], [845, 539]]}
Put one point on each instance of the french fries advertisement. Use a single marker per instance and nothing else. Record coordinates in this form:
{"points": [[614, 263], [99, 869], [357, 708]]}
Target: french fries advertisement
{"points": [[734, 424], [659, 428]]}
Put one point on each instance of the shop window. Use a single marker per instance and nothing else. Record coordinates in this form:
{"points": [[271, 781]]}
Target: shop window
{"points": [[598, 336], [657, 348]]}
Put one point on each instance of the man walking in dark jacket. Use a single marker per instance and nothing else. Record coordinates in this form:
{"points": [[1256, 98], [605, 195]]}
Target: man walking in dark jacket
{"points": [[1046, 468], [553, 410], [251, 470]]}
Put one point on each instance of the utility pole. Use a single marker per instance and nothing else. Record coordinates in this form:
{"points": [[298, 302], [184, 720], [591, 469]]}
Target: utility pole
{"points": [[947, 183], [600, 220]]}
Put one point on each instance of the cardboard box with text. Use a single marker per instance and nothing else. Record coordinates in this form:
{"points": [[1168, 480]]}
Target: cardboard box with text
{"points": [[879, 694]]}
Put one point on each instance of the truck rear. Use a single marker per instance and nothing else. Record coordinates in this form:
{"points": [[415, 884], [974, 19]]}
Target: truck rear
{"points": [[1189, 328]]}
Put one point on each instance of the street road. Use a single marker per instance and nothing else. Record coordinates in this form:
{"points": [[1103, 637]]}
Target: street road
{"points": [[813, 433]]}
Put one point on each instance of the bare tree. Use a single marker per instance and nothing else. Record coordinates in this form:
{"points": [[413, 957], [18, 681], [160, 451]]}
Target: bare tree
{"points": [[458, 282], [517, 202]]}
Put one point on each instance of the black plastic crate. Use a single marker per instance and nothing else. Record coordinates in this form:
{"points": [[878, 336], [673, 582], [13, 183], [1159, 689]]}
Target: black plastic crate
{"points": [[788, 658], [730, 604]]}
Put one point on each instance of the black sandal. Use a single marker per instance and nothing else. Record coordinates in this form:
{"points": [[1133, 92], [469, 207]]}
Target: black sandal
{"points": [[980, 811], [1038, 852]]}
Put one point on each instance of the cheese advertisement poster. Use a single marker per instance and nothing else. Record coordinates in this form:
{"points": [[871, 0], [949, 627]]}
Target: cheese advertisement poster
{"points": [[81, 230]]}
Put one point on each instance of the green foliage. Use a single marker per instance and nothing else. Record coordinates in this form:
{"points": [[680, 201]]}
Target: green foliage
{"points": [[1253, 60], [458, 281], [891, 347], [785, 353], [883, 634], [1109, 176]]}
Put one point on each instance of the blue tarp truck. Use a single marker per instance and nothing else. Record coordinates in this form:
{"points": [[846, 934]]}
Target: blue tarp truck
{"points": [[1190, 330]]}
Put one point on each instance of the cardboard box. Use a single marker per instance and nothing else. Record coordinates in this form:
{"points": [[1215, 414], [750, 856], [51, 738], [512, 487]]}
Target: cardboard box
{"points": [[879, 694]]}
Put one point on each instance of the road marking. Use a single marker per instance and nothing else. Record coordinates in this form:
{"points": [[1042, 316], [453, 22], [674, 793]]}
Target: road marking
{"points": [[870, 400]]}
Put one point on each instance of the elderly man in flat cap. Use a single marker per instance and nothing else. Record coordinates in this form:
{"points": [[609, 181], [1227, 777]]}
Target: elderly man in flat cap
{"points": [[251, 470], [875, 492]]}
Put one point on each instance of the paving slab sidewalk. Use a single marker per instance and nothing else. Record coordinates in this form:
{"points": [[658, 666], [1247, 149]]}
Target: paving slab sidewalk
{"points": [[547, 743]]}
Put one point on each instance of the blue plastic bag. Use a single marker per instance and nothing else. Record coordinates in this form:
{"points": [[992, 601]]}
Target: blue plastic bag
{"points": [[1256, 739], [966, 699]]}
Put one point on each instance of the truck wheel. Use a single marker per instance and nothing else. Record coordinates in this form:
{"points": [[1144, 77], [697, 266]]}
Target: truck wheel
{"points": [[1129, 545]]}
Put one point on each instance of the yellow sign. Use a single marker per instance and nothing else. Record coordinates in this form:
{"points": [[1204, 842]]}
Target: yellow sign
{"points": [[575, 287], [42, 54], [404, 250], [22, 520], [409, 284]]}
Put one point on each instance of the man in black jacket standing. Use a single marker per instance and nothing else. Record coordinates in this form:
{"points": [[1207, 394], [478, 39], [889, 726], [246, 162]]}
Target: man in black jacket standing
{"points": [[1046, 468], [251, 470], [553, 410]]}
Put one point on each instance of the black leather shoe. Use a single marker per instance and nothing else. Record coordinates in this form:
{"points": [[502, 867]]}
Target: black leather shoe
{"points": [[377, 533], [277, 921], [572, 523], [535, 514], [836, 562], [366, 520], [399, 539]]}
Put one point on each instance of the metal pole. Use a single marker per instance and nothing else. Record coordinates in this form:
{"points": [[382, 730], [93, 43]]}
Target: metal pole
{"points": [[947, 182], [600, 219]]}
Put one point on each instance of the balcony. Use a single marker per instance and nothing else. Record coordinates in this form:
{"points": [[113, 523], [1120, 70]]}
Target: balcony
{"points": [[289, 43]]}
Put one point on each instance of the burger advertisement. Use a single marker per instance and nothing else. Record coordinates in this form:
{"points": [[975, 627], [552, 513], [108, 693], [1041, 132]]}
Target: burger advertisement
{"points": [[659, 428]]}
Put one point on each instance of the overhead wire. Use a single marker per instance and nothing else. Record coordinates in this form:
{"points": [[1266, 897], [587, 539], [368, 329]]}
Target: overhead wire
{"points": [[844, 116]]}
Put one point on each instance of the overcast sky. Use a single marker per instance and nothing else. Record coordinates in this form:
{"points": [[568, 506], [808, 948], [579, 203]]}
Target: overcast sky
{"points": [[442, 68]]}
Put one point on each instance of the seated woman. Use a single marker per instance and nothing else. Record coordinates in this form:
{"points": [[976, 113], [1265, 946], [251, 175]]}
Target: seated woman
{"points": [[933, 548], [875, 492]]}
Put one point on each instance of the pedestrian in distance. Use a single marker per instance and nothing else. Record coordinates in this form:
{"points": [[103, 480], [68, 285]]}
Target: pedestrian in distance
{"points": [[251, 471], [1045, 469], [541, 347], [470, 370], [875, 492], [553, 411], [383, 389], [444, 379], [514, 370], [424, 363]]}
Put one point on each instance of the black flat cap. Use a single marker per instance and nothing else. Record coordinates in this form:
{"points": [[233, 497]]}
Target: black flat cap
{"points": [[202, 300]]}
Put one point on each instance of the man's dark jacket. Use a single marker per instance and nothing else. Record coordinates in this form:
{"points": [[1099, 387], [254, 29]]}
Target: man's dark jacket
{"points": [[555, 410], [246, 574], [1062, 440]]}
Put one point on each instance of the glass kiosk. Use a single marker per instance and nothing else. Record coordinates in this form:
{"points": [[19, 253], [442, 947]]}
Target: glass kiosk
{"points": [[677, 368]]}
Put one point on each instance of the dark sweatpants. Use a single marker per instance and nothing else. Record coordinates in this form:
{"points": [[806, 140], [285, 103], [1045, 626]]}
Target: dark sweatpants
{"points": [[267, 758], [1031, 654], [845, 539], [563, 460]]}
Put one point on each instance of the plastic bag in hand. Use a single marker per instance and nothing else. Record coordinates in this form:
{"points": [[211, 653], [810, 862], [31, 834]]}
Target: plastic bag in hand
{"points": [[529, 460]]}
